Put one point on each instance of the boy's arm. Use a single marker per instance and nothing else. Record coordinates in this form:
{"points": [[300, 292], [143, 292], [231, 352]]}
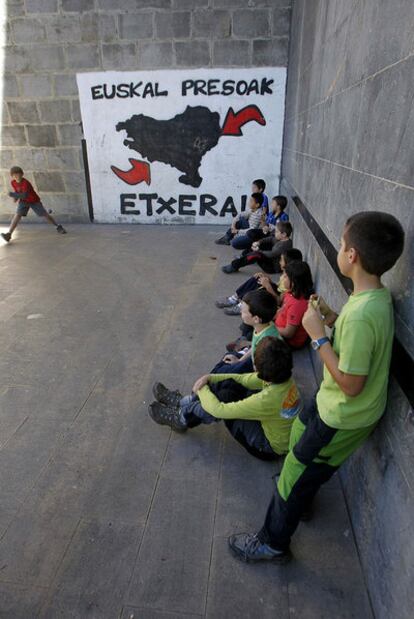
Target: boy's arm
{"points": [[277, 249], [351, 384], [18, 196], [248, 408]]}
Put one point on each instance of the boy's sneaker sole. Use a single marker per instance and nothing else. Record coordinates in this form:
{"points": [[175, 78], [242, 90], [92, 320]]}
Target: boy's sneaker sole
{"points": [[6, 236], [60, 230], [165, 416]]}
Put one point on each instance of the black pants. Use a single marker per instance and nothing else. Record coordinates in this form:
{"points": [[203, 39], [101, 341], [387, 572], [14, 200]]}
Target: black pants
{"points": [[315, 453], [249, 285]]}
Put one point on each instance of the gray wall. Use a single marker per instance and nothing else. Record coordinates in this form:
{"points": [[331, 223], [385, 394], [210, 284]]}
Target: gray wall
{"points": [[348, 147], [49, 41]]}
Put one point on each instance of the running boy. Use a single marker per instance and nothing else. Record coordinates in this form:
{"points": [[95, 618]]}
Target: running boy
{"points": [[26, 197], [353, 393], [258, 408]]}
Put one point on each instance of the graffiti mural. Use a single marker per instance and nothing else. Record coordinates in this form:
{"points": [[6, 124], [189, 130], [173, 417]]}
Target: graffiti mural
{"points": [[199, 138]]}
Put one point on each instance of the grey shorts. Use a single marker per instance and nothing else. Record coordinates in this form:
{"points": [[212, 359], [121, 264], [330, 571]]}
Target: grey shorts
{"points": [[23, 208]]}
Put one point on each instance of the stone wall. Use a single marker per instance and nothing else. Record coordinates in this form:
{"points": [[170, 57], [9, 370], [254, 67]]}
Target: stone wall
{"points": [[49, 41], [348, 147]]}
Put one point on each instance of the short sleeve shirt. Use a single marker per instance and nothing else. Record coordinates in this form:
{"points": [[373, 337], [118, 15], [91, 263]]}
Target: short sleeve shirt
{"points": [[257, 337], [25, 187], [362, 339], [291, 313]]}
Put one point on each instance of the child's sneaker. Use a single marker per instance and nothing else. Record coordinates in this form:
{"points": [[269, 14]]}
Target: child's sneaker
{"points": [[222, 241], [6, 236], [238, 345], [229, 268], [166, 416], [234, 310], [166, 396], [227, 302], [60, 229]]}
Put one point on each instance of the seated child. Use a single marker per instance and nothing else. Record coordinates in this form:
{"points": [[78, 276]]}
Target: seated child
{"points": [[277, 213], [267, 259], [242, 239], [26, 198], [241, 221], [298, 285], [258, 310], [267, 226], [258, 408], [232, 303]]}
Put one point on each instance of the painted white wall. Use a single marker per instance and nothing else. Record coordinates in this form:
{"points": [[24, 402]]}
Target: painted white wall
{"points": [[227, 169]]}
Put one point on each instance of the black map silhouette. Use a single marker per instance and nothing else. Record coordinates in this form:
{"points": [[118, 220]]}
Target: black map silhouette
{"points": [[181, 141]]}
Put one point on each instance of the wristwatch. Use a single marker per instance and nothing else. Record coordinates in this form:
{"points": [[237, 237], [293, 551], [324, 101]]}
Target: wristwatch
{"points": [[316, 344]]}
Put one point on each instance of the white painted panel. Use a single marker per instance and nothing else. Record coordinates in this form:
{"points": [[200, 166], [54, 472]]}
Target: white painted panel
{"points": [[172, 165]]}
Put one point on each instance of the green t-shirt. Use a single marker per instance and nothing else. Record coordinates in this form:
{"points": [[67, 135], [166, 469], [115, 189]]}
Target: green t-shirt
{"points": [[275, 406], [362, 339], [269, 330]]}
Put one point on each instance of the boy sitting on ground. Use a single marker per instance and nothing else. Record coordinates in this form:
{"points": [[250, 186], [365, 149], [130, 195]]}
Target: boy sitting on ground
{"points": [[241, 221], [266, 252], [258, 408], [258, 310]]}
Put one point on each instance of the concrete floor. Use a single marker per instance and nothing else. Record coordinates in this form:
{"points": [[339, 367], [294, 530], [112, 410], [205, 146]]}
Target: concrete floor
{"points": [[104, 514]]}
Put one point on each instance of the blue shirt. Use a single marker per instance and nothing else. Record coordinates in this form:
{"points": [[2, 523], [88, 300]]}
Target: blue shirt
{"points": [[272, 219]]}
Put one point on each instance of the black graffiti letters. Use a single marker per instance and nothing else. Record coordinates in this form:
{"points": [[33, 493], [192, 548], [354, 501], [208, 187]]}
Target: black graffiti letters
{"points": [[227, 87], [184, 205], [125, 91]]}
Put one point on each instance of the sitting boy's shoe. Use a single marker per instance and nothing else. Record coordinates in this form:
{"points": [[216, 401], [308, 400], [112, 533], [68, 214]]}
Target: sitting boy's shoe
{"points": [[228, 268], [222, 241], [166, 416], [227, 302], [166, 396], [234, 310], [60, 229], [248, 548], [6, 236], [238, 345]]}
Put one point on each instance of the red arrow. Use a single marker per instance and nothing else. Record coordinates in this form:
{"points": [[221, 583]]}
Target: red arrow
{"points": [[234, 122], [139, 172]]}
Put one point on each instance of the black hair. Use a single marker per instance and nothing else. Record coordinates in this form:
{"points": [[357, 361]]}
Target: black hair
{"points": [[292, 254], [285, 227], [273, 360], [260, 184], [377, 237], [261, 303], [258, 198], [300, 276], [16, 170], [281, 201]]}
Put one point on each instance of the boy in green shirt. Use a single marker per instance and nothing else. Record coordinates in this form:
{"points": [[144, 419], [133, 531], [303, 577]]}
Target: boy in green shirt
{"points": [[257, 408], [352, 396]]}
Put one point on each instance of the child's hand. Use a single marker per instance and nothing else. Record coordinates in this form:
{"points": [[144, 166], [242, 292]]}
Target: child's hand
{"points": [[258, 275], [265, 229], [230, 359], [312, 323], [200, 383], [328, 315], [265, 282], [255, 245]]}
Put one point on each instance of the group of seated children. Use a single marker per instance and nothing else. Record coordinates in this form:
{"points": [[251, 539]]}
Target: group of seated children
{"points": [[251, 387]]}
